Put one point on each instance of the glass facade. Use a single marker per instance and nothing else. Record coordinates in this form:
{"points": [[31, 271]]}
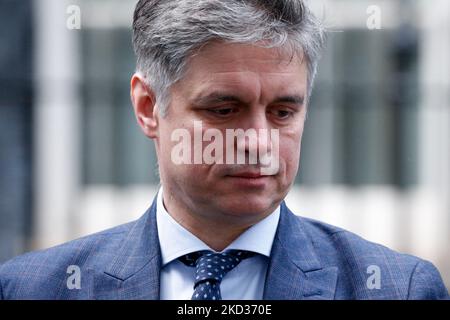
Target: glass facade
{"points": [[16, 112], [361, 126], [114, 149]]}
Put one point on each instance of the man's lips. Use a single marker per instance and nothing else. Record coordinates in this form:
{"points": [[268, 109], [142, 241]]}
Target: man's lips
{"points": [[248, 179], [247, 175]]}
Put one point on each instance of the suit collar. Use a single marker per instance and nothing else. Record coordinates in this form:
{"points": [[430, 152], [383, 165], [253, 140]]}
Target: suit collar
{"points": [[134, 270], [295, 271], [176, 241]]}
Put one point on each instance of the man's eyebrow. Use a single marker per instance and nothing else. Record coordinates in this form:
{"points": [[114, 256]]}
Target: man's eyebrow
{"points": [[217, 97], [294, 99]]}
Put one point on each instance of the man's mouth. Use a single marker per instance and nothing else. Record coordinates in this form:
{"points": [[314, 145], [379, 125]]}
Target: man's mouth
{"points": [[248, 180], [248, 175]]}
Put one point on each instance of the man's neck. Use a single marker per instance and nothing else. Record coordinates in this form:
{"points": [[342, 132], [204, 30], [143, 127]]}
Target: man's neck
{"points": [[217, 232]]}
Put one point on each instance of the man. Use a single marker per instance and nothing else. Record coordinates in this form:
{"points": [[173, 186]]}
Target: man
{"points": [[218, 80]]}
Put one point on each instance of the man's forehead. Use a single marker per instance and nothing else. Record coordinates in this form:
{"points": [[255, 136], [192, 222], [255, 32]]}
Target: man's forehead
{"points": [[226, 72], [246, 86], [237, 56]]}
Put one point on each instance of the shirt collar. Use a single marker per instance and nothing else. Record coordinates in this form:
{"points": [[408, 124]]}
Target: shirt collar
{"points": [[176, 241]]}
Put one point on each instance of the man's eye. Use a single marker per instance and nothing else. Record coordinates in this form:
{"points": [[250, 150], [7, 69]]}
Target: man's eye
{"points": [[283, 114], [222, 111]]}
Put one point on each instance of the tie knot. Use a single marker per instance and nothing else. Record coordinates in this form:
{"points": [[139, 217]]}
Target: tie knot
{"points": [[212, 266]]}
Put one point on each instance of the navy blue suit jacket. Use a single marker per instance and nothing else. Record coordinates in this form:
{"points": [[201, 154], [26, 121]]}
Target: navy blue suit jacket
{"points": [[309, 260]]}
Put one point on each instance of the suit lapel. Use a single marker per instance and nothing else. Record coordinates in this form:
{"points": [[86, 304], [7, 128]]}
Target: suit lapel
{"points": [[134, 272], [294, 271]]}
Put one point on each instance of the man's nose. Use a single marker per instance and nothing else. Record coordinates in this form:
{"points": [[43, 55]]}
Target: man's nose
{"points": [[260, 140]]}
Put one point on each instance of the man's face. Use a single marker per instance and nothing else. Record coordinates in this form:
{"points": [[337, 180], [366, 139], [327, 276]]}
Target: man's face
{"points": [[234, 86]]}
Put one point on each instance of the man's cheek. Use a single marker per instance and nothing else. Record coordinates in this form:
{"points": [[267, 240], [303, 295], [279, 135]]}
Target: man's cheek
{"points": [[290, 161]]}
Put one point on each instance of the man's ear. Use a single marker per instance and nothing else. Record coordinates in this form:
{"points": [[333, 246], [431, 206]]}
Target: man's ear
{"points": [[144, 104]]}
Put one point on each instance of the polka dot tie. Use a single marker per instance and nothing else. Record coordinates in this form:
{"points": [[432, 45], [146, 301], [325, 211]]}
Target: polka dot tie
{"points": [[210, 269]]}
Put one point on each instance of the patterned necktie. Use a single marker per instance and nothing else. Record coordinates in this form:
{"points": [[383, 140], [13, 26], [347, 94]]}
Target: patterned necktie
{"points": [[210, 268]]}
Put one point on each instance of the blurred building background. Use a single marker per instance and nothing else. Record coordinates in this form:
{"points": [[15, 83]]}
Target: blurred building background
{"points": [[376, 149]]}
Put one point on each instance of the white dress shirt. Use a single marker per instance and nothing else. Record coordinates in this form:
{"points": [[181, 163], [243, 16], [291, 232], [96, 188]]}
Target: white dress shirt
{"points": [[244, 282]]}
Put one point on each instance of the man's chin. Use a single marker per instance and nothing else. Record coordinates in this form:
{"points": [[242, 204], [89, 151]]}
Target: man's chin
{"points": [[247, 207]]}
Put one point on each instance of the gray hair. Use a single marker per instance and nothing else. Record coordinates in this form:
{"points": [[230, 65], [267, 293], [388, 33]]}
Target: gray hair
{"points": [[167, 32]]}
